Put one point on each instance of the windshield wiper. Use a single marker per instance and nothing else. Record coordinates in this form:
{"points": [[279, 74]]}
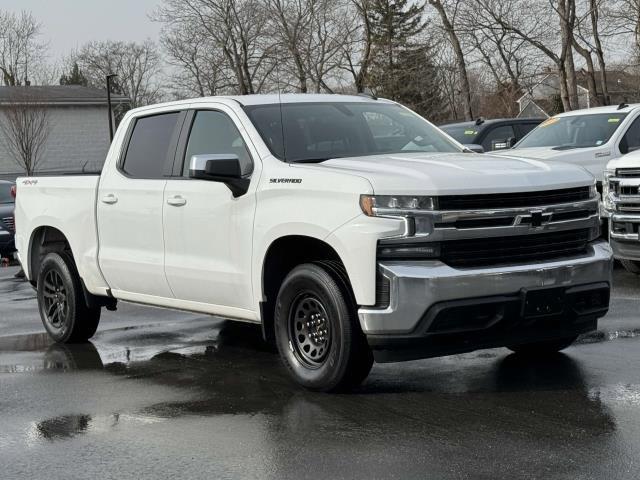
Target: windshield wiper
{"points": [[310, 160], [570, 147]]}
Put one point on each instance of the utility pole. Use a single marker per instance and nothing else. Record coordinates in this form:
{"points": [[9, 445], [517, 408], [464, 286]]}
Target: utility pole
{"points": [[109, 77]]}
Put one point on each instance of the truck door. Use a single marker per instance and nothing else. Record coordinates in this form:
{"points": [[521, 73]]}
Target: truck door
{"points": [[208, 233], [130, 203]]}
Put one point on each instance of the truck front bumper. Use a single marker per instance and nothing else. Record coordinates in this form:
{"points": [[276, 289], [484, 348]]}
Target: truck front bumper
{"points": [[624, 236], [436, 310]]}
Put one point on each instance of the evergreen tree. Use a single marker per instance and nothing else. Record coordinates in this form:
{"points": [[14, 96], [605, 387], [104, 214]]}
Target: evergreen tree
{"points": [[75, 77], [401, 68], [395, 24]]}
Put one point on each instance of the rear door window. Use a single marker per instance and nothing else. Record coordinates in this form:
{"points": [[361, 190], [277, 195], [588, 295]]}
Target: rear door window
{"points": [[149, 146]]}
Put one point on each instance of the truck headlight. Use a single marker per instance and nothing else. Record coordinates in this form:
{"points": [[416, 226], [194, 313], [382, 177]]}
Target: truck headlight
{"points": [[382, 205], [608, 190]]}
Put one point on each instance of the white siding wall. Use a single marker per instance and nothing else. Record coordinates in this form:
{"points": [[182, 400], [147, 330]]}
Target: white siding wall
{"points": [[79, 134]]}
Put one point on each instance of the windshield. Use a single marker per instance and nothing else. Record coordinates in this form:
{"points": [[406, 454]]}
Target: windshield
{"points": [[462, 133], [314, 132], [574, 131], [5, 193]]}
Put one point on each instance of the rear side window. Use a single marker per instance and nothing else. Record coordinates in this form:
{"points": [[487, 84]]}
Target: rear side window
{"points": [[149, 145]]}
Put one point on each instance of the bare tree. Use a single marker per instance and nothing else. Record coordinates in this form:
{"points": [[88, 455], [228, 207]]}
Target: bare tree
{"points": [[136, 64], [20, 50], [447, 11], [235, 28], [537, 24], [26, 127], [357, 54]]}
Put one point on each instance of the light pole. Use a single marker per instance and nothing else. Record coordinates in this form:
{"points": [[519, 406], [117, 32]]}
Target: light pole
{"points": [[109, 77]]}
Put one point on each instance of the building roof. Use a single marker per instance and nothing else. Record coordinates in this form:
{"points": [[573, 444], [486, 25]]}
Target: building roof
{"points": [[59, 95]]}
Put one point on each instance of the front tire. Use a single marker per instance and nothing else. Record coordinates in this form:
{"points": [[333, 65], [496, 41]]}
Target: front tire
{"points": [[317, 330], [546, 347], [631, 266], [63, 311]]}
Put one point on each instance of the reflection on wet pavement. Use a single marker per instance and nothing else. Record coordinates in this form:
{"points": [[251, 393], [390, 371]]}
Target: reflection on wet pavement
{"points": [[207, 399]]}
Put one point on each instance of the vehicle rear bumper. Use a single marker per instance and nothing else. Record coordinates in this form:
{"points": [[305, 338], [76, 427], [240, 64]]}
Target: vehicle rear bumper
{"points": [[435, 309]]}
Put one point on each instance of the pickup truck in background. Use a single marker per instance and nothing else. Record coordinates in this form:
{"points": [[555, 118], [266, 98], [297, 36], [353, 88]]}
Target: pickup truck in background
{"points": [[350, 228], [621, 198], [589, 138], [490, 135]]}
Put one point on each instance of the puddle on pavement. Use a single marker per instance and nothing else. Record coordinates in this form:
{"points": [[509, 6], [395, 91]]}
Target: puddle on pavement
{"points": [[606, 335]]}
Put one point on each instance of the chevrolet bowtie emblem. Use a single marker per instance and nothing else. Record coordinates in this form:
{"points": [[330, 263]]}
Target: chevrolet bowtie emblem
{"points": [[535, 219]]}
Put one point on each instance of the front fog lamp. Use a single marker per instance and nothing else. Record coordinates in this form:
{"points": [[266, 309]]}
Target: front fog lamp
{"points": [[373, 205], [408, 251]]}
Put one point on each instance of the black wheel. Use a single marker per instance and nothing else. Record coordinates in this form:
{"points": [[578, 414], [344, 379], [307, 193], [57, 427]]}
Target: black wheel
{"points": [[543, 348], [631, 266], [317, 330], [63, 310]]}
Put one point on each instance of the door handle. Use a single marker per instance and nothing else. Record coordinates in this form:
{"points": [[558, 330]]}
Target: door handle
{"points": [[109, 199], [177, 201]]}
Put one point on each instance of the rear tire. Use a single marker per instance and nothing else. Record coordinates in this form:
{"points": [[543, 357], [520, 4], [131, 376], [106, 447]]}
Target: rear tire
{"points": [[63, 310], [631, 266], [317, 330], [546, 347]]}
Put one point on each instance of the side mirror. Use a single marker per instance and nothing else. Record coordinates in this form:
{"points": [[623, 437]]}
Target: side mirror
{"points": [[474, 147], [505, 144], [224, 168]]}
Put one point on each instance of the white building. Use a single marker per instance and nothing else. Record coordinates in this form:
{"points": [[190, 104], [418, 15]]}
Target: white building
{"points": [[79, 129]]}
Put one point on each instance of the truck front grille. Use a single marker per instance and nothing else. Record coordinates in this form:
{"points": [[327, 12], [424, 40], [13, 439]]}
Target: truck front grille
{"points": [[628, 172], [515, 249], [9, 223], [513, 200]]}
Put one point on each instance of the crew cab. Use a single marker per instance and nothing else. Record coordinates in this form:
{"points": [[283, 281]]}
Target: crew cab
{"points": [[589, 137], [350, 228]]}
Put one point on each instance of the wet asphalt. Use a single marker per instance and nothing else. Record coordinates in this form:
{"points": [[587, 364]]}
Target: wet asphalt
{"points": [[163, 394]]}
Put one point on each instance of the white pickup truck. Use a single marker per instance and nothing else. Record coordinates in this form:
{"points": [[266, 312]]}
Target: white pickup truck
{"points": [[349, 227], [621, 198], [589, 138]]}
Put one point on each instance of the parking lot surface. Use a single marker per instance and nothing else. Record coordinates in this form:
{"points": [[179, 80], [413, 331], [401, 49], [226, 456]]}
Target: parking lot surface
{"points": [[163, 394]]}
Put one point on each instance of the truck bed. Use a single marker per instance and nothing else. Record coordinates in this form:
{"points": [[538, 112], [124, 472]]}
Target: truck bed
{"points": [[65, 202]]}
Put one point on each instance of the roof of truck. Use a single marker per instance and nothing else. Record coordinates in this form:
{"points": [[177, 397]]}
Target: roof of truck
{"points": [[595, 110], [301, 98]]}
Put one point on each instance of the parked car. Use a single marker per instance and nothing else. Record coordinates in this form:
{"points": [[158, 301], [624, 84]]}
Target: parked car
{"points": [[621, 198], [589, 138], [349, 228], [488, 135], [7, 204]]}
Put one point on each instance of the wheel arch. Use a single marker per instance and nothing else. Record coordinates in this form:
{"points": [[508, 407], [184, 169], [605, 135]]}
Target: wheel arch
{"points": [[282, 256], [43, 240], [47, 239]]}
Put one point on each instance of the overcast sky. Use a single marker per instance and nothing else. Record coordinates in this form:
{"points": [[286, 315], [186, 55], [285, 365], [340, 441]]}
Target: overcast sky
{"points": [[67, 24]]}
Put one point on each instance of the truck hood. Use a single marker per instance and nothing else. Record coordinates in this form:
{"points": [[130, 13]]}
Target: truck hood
{"points": [[631, 160], [593, 159], [458, 173]]}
